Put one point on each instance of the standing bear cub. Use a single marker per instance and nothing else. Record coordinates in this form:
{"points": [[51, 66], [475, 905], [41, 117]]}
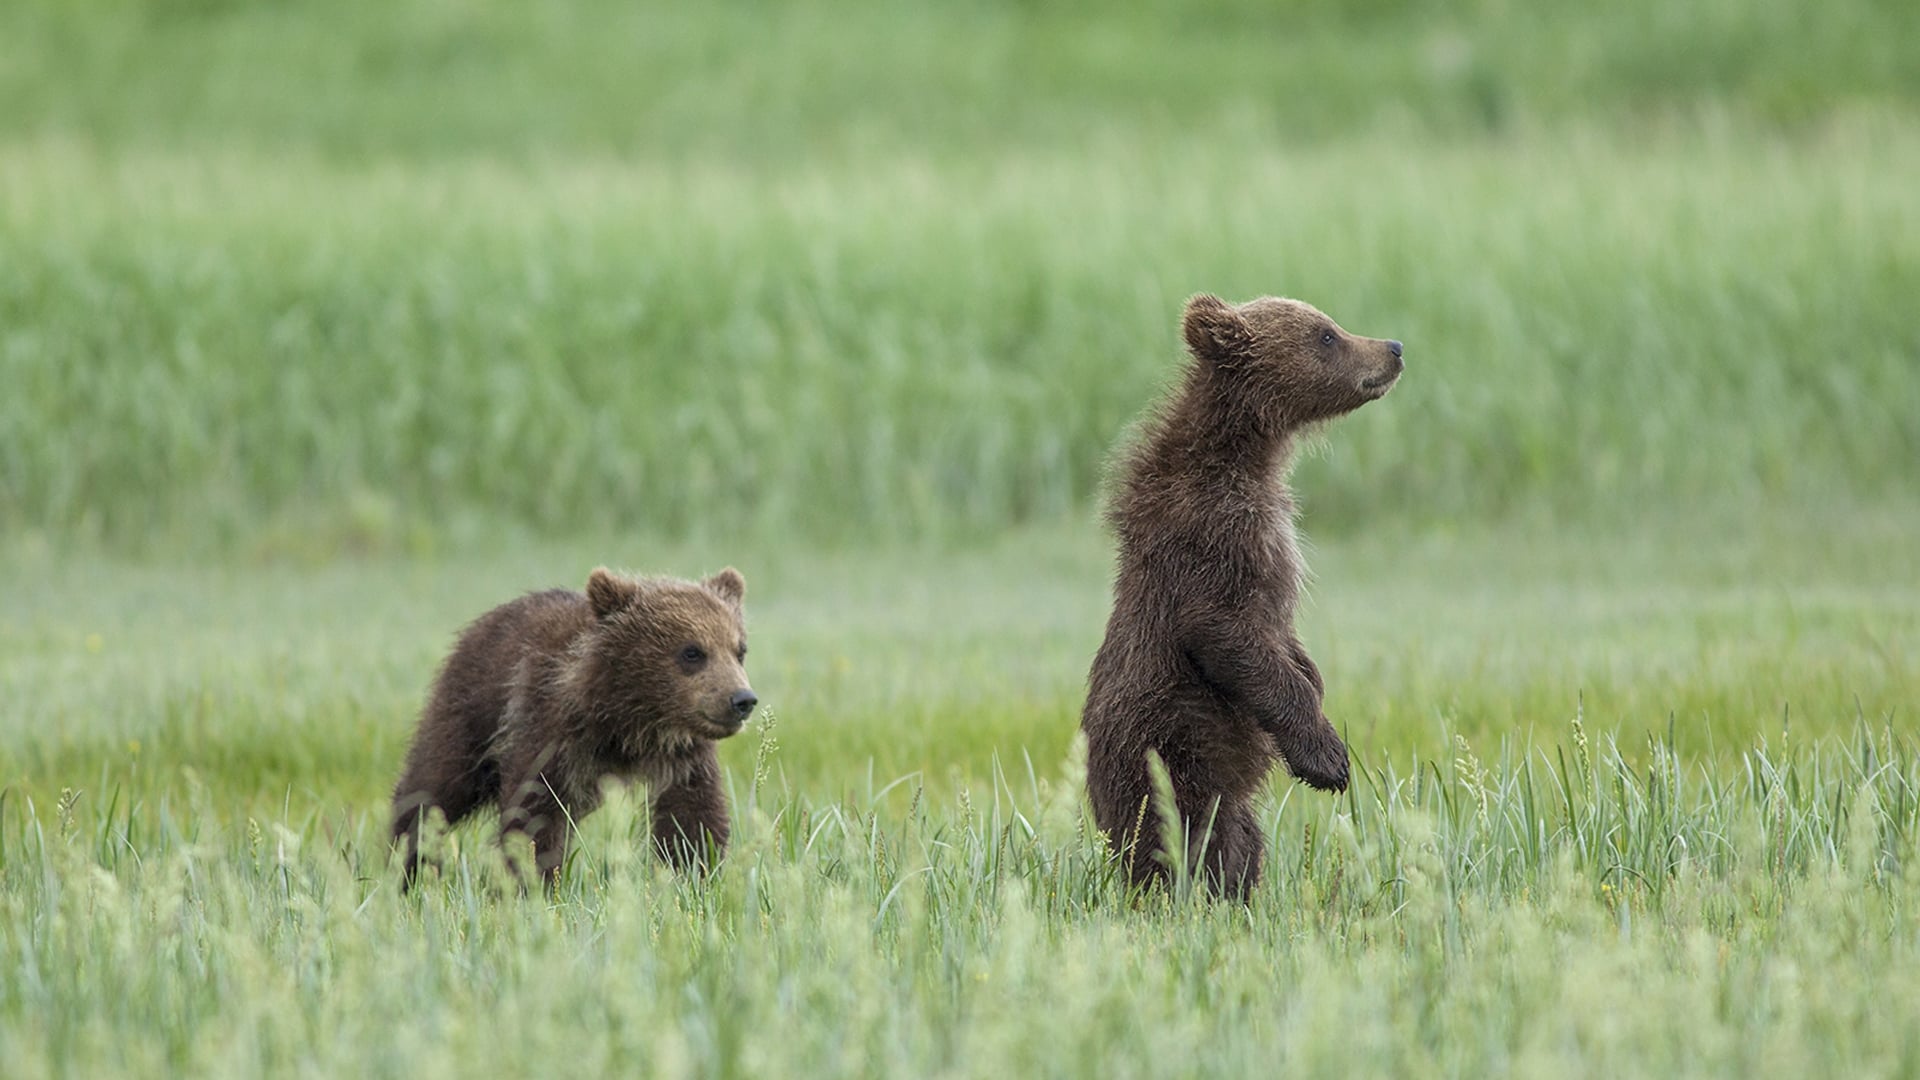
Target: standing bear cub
{"points": [[1200, 664], [546, 696]]}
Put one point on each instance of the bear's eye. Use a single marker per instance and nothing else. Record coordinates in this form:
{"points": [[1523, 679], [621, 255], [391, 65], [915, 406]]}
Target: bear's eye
{"points": [[1326, 338], [693, 656], [741, 652]]}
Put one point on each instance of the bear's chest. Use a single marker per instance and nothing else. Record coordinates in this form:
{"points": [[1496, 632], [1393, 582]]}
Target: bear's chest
{"points": [[1283, 571], [1275, 570]]}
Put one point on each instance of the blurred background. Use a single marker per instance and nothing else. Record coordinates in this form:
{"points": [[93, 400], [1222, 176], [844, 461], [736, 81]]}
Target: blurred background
{"points": [[324, 326], [361, 274]]}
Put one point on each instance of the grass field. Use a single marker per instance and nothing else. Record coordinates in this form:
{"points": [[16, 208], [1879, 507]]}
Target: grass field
{"points": [[213, 342], [324, 327], [1654, 817], [1627, 809]]}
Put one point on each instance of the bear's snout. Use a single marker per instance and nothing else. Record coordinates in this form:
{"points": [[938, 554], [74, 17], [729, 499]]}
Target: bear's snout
{"points": [[733, 710], [742, 703], [724, 705], [1388, 373]]}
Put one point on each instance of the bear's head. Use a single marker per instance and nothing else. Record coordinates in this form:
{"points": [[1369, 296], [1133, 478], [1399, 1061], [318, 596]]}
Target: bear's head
{"points": [[667, 658], [1286, 360]]}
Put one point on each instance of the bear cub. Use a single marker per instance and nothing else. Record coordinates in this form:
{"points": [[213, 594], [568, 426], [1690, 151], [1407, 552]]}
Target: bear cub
{"points": [[546, 696], [1201, 664]]}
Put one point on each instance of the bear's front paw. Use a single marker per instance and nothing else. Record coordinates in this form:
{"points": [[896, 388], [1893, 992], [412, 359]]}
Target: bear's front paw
{"points": [[1321, 764]]}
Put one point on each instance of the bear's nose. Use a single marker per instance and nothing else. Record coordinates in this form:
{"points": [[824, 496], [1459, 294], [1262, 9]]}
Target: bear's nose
{"points": [[1393, 347], [743, 703]]}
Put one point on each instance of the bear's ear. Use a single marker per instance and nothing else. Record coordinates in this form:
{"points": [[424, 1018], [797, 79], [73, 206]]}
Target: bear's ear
{"points": [[1214, 330], [728, 585], [610, 593]]}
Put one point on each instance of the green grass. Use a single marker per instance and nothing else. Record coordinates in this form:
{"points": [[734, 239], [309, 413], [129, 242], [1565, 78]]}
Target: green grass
{"points": [[1691, 852], [301, 297], [265, 677], [1553, 913], [770, 83], [1630, 804], [326, 326], [374, 356]]}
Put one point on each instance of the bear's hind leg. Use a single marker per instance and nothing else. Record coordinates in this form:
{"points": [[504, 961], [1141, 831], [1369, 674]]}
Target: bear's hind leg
{"points": [[458, 788], [1235, 851]]}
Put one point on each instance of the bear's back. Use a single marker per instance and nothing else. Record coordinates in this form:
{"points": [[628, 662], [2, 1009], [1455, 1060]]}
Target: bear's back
{"points": [[479, 676]]}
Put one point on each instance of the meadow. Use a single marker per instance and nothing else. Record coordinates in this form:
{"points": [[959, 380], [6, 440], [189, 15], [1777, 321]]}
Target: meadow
{"points": [[325, 327]]}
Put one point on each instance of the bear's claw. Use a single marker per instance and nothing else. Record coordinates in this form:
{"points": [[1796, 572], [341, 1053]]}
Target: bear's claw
{"points": [[1323, 767]]}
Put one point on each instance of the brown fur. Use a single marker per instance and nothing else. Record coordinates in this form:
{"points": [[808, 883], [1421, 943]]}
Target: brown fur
{"points": [[1200, 663], [546, 696]]}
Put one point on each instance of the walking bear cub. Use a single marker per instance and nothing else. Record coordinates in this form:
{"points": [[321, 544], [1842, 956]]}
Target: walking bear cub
{"points": [[1200, 664], [546, 696]]}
